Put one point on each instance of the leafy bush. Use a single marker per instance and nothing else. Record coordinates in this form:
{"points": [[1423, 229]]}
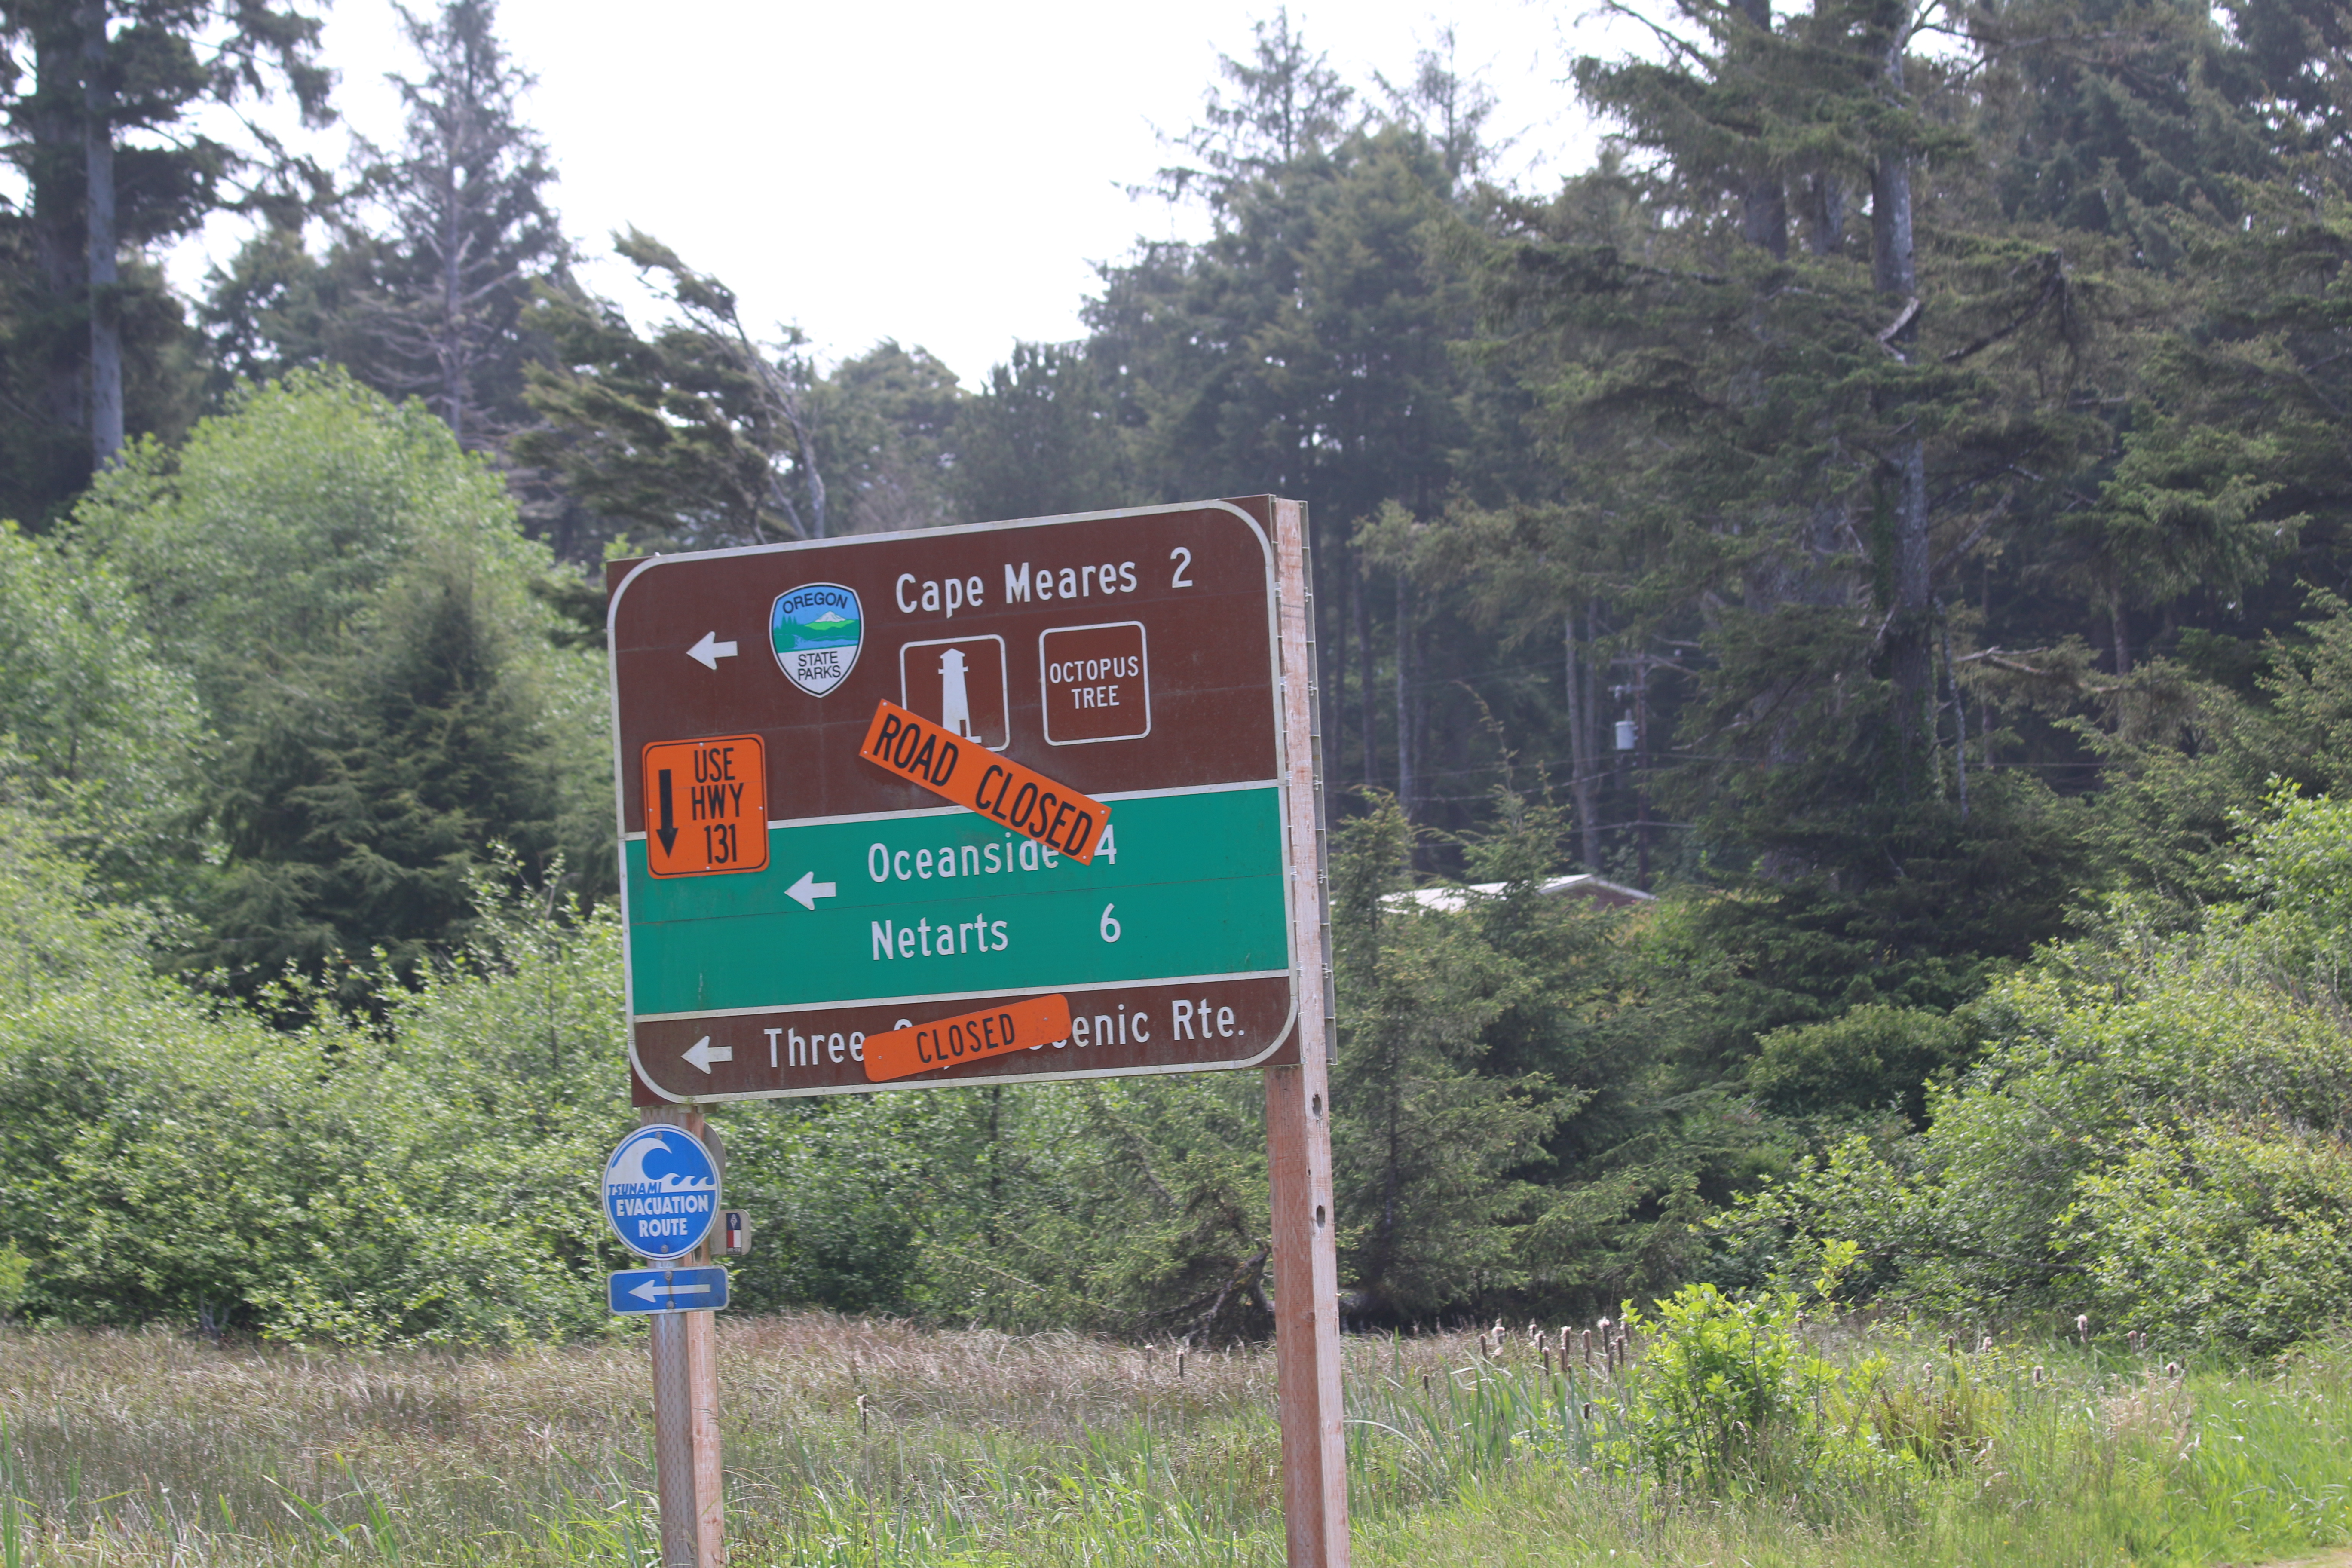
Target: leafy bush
{"points": [[428, 1180], [2218, 1232], [15, 1269], [1728, 1397], [2159, 1130], [1872, 1057]]}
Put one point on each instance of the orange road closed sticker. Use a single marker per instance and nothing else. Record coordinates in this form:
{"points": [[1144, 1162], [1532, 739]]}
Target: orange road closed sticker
{"points": [[974, 1037], [976, 778], [705, 805]]}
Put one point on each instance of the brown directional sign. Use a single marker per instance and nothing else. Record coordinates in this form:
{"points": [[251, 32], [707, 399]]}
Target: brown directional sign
{"points": [[799, 877]]}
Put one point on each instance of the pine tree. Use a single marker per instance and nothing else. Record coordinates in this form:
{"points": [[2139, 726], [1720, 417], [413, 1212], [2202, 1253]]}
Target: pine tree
{"points": [[1040, 438], [106, 136], [350, 596], [695, 437], [470, 231], [1286, 104], [884, 425]]}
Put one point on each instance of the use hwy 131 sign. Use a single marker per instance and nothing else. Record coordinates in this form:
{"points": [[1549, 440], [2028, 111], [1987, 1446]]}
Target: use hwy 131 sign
{"points": [[978, 777]]}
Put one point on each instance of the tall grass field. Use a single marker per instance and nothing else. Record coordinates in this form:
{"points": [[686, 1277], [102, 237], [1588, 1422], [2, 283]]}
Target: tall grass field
{"points": [[850, 1442]]}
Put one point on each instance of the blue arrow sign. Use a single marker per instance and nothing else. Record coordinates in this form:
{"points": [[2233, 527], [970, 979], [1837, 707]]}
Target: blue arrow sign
{"points": [[666, 1289], [661, 1192]]}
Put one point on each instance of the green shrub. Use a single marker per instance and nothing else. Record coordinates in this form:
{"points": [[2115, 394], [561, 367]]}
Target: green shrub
{"points": [[2218, 1232], [1872, 1057], [1728, 1398], [2158, 1130], [432, 1180], [16, 1272]]}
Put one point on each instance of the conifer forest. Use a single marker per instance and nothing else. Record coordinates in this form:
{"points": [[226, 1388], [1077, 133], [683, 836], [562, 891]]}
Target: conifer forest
{"points": [[1892, 507]]}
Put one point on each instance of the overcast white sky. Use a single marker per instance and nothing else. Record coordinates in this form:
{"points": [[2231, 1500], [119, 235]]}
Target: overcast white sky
{"points": [[945, 174]]}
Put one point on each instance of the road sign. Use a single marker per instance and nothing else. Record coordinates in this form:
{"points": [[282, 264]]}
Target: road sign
{"points": [[666, 1289], [661, 1192], [1125, 665], [952, 1042], [998, 790], [705, 807]]}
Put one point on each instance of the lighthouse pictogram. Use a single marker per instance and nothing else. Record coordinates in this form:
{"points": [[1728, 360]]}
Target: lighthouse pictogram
{"points": [[959, 684], [955, 703]]}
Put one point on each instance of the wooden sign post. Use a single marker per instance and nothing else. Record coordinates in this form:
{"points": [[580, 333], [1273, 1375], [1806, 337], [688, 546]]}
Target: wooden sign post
{"points": [[685, 1412], [1013, 803], [1298, 1112]]}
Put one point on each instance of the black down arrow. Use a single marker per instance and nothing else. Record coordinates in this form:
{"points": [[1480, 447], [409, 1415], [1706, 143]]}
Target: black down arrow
{"points": [[668, 833]]}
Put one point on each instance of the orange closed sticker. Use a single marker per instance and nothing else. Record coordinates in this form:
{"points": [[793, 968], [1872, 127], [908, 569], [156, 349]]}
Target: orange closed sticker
{"points": [[705, 805], [957, 768], [972, 1038]]}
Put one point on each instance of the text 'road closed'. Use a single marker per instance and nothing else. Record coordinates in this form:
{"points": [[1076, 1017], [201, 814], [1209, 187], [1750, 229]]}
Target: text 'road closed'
{"points": [[1000, 789]]}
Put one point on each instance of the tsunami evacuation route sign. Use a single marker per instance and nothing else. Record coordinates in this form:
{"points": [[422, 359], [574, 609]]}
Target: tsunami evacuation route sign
{"points": [[661, 1192], [1087, 822]]}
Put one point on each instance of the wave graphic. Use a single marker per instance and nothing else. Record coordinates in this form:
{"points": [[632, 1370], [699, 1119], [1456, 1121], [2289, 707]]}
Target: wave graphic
{"points": [[629, 1172]]}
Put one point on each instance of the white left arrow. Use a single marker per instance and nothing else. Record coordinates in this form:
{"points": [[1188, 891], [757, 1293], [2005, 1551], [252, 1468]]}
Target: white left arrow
{"points": [[808, 891], [702, 1053], [710, 650], [649, 1292]]}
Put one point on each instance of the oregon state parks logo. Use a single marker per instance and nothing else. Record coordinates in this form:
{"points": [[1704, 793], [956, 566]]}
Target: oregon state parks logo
{"points": [[816, 629]]}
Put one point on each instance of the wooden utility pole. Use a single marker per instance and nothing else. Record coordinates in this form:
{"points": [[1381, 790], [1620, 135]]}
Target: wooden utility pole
{"points": [[686, 1409], [1299, 1114]]}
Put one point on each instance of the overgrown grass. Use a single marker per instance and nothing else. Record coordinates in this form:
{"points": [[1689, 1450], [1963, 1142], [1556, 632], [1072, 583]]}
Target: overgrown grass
{"points": [[856, 1442]]}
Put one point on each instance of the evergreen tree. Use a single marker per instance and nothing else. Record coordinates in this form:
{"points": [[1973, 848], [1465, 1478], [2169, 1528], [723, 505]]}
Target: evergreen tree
{"points": [[351, 597], [1040, 438], [1424, 1137], [1286, 103], [1303, 349], [470, 231], [363, 798], [103, 99], [883, 427], [696, 437]]}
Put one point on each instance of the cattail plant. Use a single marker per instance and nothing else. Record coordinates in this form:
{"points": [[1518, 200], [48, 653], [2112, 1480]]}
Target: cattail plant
{"points": [[2082, 1328]]}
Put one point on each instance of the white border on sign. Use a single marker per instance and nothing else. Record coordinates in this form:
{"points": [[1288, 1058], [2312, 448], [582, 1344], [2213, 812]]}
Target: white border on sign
{"points": [[1092, 986], [1045, 686], [1282, 773]]}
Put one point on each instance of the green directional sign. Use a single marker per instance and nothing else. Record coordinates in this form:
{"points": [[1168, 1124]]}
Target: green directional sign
{"points": [[785, 897], [940, 901]]}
